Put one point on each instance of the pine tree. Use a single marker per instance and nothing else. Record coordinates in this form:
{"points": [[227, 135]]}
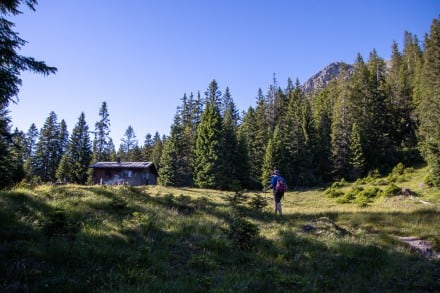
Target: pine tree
{"points": [[403, 130], [79, 152], [274, 157], [147, 148], [156, 152], [171, 172], [341, 126], [428, 109], [30, 151], [101, 150], [254, 132], [377, 123], [129, 142], [48, 153], [207, 161], [229, 146], [308, 172], [357, 160], [31, 141], [11, 66], [323, 108], [294, 140]]}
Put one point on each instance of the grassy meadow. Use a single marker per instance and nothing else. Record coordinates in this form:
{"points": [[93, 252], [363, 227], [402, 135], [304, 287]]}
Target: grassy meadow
{"points": [[72, 238]]}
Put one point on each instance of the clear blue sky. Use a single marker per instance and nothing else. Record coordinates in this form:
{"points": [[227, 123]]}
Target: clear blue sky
{"points": [[141, 56]]}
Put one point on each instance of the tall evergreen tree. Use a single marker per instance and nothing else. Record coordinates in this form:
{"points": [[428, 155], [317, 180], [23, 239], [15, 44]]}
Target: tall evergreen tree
{"points": [[229, 146], [101, 149], [254, 131], [175, 168], [207, 160], [48, 153], [323, 108], [403, 130], [377, 123], [428, 97], [11, 66], [293, 138], [79, 153], [357, 160], [341, 126], [129, 142], [147, 148], [156, 152], [31, 141], [273, 157]]}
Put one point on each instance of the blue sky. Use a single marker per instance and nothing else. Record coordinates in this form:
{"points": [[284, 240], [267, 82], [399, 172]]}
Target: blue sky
{"points": [[142, 56]]}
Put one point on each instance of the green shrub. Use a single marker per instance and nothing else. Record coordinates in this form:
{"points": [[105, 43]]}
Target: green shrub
{"points": [[333, 192], [370, 192], [339, 184], [391, 190], [398, 169], [364, 197], [242, 232], [237, 198], [258, 202]]}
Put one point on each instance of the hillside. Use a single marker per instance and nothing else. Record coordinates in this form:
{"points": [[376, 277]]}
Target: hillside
{"points": [[103, 238]]}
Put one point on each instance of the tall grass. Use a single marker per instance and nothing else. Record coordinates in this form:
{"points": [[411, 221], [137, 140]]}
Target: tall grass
{"points": [[99, 239]]}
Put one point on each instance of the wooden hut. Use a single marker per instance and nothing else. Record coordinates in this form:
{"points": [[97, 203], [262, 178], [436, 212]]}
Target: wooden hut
{"points": [[130, 173]]}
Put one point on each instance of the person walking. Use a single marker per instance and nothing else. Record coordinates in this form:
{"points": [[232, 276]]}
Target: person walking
{"points": [[278, 183]]}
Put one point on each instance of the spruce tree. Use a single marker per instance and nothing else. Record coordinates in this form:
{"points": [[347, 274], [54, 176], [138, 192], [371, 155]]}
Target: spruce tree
{"points": [[79, 152], [428, 97], [341, 127], [207, 160], [229, 146], [129, 142], [323, 108], [147, 148], [48, 153], [101, 150], [254, 133], [403, 130], [357, 160], [156, 152], [31, 141], [11, 66], [274, 157], [175, 167], [293, 138]]}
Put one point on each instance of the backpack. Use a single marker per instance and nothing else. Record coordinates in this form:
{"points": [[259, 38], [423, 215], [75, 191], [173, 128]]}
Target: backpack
{"points": [[281, 186]]}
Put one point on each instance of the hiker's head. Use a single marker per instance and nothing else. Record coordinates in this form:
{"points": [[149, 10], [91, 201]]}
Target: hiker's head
{"points": [[276, 172]]}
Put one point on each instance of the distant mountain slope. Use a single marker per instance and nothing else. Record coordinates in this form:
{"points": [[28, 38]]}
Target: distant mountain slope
{"points": [[319, 80]]}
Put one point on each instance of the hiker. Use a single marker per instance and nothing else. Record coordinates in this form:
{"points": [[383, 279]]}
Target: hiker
{"points": [[278, 183]]}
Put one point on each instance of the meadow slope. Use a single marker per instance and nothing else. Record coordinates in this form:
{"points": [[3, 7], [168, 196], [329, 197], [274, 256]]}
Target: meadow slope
{"points": [[101, 238]]}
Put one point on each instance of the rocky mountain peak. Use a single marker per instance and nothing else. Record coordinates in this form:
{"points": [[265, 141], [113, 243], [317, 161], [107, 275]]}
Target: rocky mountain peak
{"points": [[319, 80]]}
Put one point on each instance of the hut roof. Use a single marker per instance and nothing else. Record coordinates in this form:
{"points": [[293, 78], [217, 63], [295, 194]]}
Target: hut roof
{"points": [[124, 165]]}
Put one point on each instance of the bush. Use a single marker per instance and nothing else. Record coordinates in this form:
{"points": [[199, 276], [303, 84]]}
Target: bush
{"points": [[258, 202], [364, 197], [242, 232], [391, 190], [333, 192], [399, 169]]}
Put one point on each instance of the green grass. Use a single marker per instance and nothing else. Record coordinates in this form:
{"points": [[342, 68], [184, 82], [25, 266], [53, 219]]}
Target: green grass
{"points": [[136, 239]]}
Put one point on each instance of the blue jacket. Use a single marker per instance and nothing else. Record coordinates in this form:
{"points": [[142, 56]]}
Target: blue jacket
{"points": [[274, 179]]}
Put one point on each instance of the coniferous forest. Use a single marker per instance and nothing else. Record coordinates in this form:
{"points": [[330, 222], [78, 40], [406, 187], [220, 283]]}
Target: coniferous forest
{"points": [[371, 116]]}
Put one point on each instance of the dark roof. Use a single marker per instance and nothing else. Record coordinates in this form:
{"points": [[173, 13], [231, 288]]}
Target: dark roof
{"points": [[124, 165]]}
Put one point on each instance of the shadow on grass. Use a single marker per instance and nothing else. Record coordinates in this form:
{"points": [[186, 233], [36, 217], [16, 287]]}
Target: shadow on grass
{"points": [[154, 252]]}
